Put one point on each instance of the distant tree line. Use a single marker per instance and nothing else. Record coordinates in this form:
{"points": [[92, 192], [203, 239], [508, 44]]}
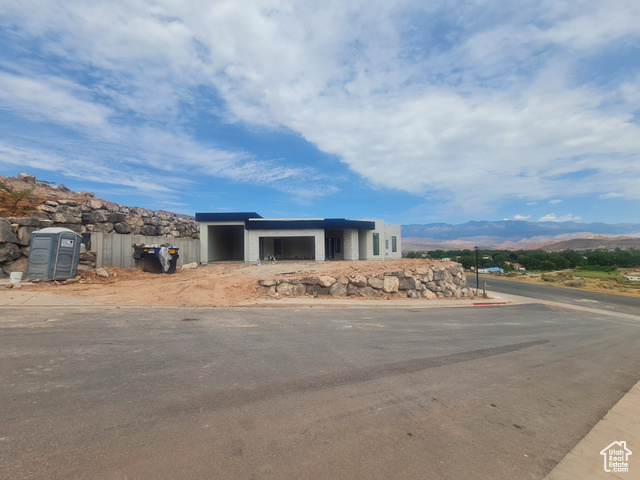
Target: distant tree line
{"points": [[538, 260]]}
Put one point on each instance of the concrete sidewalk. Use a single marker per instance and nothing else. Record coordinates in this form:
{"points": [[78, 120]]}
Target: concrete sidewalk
{"points": [[18, 298], [33, 298], [622, 423]]}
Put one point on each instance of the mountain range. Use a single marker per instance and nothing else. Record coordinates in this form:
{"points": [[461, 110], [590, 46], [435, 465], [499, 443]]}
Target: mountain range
{"points": [[518, 234]]}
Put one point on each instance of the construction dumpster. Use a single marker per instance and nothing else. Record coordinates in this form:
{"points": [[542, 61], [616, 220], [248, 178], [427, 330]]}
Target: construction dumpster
{"points": [[156, 258]]}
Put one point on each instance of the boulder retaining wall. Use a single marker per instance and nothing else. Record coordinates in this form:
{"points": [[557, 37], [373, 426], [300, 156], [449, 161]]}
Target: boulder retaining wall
{"points": [[428, 282]]}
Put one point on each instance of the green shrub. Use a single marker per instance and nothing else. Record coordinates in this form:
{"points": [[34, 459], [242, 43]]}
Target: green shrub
{"points": [[575, 283], [598, 268]]}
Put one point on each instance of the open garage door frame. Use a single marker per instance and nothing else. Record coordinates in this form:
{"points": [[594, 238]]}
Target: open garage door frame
{"points": [[225, 242], [288, 248]]}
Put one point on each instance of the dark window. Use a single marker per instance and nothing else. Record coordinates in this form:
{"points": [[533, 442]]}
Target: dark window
{"points": [[376, 244], [337, 246], [386, 244], [394, 244], [277, 247]]}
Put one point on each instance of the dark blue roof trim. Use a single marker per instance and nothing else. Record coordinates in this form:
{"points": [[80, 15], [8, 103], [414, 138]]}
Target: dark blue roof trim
{"points": [[226, 217], [323, 224]]}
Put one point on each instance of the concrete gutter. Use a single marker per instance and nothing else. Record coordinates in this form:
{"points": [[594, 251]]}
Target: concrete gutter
{"points": [[332, 302]]}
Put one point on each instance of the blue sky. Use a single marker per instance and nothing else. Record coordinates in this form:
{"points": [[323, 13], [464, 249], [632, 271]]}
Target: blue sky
{"points": [[410, 111]]}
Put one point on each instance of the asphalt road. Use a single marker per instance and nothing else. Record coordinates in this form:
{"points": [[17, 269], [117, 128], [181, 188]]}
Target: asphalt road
{"points": [[168, 393], [566, 295]]}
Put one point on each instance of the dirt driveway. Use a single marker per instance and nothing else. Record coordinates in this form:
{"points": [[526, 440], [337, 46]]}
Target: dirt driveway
{"points": [[219, 285]]}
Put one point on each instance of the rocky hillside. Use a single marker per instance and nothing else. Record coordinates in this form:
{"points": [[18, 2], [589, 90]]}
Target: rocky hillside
{"points": [[27, 204]]}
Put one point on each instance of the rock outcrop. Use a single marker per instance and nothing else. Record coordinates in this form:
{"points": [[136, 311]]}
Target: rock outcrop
{"points": [[82, 212]]}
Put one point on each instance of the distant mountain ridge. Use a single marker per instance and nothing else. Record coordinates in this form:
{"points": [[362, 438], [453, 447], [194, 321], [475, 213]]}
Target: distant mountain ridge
{"points": [[508, 234]]}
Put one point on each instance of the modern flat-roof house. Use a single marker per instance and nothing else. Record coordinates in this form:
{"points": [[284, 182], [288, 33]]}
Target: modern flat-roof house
{"points": [[246, 236]]}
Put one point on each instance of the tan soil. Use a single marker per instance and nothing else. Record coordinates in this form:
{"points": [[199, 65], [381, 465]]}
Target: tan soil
{"points": [[219, 285]]}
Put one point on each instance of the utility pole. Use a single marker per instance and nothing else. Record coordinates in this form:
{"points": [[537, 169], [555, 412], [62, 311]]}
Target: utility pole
{"points": [[477, 275]]}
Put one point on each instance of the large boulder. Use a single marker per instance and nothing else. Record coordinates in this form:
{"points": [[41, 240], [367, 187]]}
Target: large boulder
{"points": [[326, 281], [407, 283], [101, 216], [428, 294], [391, 284], [9, 252], [95, 204], [376, 282], [6, 234], [338, 290], [115, 217], [103, 227], [148, 230], [25, 222], [316, 290], [19, 265], [285, 289], [358, 280], [122, 228], [67, 214], [368, 292], [24, 235], [25, 177]]}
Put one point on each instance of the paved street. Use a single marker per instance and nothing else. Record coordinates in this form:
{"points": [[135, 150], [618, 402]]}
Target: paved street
{"points": [[168, 393], [564, 295]]}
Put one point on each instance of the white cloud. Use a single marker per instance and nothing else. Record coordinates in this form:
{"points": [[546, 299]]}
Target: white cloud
{"points": [[551, 217], [532, 203], [519, 217], [496, 102], [555, 201], [610, 195], [52, 98]]}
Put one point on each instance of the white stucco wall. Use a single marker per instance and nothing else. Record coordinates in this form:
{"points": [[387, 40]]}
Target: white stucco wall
{"points": [[366, 241], [357, 244], [351, 245], [252, 253], [389, 232]]}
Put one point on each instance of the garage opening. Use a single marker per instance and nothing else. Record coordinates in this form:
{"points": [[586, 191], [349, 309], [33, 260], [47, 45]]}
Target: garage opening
{"points": [[288, 248], [226, 242]]}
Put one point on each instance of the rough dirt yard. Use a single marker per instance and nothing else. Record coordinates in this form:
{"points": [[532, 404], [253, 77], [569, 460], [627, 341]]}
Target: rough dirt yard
{"points": [[221, 285]]}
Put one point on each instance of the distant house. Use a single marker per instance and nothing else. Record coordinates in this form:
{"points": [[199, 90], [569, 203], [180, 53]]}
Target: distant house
{"points": [[494, 270], [632, 278], [246, 236], [491, 270]]}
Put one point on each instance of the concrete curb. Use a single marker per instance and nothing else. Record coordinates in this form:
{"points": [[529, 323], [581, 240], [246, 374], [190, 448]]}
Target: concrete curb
{"points": [[30, 298], [622, 423]]}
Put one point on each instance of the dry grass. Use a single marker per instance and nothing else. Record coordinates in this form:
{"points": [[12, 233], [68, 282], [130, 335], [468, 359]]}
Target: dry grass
{"points": [[601, 282]]}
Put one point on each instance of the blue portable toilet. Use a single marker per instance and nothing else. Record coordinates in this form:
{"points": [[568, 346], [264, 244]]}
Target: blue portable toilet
{"points": [[54, 254]]}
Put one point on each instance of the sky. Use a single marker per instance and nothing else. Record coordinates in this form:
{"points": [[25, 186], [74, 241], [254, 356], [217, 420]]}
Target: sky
{"points": [[408, 111]]}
